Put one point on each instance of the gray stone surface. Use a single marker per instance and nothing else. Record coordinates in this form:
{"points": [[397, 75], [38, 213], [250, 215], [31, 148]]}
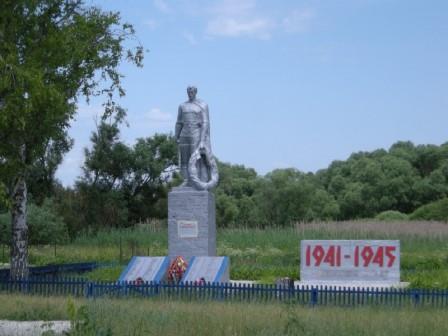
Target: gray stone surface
{"points": [[187, 205]]}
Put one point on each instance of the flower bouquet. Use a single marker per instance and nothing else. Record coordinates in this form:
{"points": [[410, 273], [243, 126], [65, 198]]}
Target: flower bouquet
{"points": [[177, 269]]}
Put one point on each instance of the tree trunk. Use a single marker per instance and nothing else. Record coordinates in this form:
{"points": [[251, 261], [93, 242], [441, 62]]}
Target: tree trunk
{"points": [[19, 243]]}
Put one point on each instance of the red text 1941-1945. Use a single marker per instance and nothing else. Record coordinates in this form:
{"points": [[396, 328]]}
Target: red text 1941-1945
{"points": [[359, 256]]}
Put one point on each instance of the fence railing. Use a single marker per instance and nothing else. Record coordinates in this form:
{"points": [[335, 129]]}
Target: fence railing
{"points": [[307, 295]]}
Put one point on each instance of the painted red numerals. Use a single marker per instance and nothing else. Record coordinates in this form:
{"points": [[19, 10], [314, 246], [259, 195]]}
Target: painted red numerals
{"points": [[364, 256], [379, 255], [330, 255]]}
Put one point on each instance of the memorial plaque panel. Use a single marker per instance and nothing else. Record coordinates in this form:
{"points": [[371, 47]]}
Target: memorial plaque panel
{"points": [[350, 260], [209, 269], [146, 269], [187, 229]]}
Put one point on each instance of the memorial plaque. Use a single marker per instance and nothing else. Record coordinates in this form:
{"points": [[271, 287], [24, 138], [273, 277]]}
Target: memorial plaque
{"points": [[350, 260], [208, 269], [146, 269], [187, 229]]}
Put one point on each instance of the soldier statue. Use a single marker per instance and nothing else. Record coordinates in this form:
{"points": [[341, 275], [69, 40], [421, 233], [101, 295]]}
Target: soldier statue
{"points": [[197, 164]]}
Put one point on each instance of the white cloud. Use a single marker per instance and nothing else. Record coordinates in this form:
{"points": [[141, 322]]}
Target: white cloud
{"points": [[190, 38], [142, 125], [238, 18], [157, 116], [162, 6], [244, 18], [236, 27], [151, 24], [298, 21]]}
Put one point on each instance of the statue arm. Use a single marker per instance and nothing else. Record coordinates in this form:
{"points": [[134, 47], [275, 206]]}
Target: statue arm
{"points": [[179, 124]]}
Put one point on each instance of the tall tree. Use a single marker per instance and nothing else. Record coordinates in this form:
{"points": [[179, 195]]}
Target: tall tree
{"points": [[135, 178], [51, 53]]}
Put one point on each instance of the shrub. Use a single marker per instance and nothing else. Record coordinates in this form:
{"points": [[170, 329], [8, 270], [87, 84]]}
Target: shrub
{"points": [[437, 210], [391, 215], [45, 225]]}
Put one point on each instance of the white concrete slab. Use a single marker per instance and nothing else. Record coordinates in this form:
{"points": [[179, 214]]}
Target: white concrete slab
{"points": [[32, 328], [350, 284], [146, 269], [210, 269], [362, 261]]}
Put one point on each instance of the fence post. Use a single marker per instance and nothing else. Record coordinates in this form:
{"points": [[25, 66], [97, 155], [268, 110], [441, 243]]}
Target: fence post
{"points": [[156, 287], [416, 297], [314, 296], [90, 293]]}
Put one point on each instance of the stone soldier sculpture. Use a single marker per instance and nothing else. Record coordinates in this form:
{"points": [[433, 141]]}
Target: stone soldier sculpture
{"points": [[197, 165], [191, 206]]}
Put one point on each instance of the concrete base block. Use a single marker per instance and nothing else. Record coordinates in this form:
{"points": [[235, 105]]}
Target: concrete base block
{"points": [[191, 223]]}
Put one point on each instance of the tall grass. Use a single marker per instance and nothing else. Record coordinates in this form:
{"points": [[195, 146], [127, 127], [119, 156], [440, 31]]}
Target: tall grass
{"points": [[376, 228], [265, 254], [154, 317]]}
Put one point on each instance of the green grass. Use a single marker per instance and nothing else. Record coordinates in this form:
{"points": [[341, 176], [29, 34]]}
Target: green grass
{"points": [[154, 317], [264, 255]]}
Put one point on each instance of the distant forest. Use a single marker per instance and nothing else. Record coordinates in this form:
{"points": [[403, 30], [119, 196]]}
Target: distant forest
{"points": [[123, 185]]}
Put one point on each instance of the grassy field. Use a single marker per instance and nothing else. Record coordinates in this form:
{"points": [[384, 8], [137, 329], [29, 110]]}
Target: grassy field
{"points": [[264, 255], [145, 317]]}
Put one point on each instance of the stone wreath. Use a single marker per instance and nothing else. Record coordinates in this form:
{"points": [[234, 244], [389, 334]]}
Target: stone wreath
{"points": [[194, 174]]}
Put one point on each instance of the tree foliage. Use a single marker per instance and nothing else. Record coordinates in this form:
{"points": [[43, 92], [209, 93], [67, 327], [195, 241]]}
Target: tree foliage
{"points": [[51, 53], [437, 210], [46, 226], [386, 182], [121, 184]]}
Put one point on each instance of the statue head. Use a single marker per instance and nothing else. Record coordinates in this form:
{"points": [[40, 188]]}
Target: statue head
{"points": [[192, 91]]}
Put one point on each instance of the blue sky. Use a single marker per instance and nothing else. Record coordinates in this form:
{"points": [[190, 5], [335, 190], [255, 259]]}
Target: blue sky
{"points": [[289, 83]]}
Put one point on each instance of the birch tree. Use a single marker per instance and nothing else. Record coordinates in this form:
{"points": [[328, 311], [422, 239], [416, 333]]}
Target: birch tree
{"points": [[52, 53]]}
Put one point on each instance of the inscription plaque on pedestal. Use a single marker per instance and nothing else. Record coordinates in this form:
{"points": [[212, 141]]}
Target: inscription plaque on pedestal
{"points": [[187, 229]]}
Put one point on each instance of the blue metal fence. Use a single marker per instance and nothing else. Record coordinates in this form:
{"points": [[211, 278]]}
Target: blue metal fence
{"points": [[307, 295], [55, 270]]}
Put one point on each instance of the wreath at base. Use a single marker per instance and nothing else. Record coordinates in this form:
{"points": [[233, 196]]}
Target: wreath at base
{"points": [[194, 174]]}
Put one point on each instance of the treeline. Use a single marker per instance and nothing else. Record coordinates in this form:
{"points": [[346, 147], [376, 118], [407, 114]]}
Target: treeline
{"points": [[122, 185], [402, 179]]}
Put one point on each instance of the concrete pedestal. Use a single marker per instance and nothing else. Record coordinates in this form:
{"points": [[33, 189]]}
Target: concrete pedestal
{"points": [[191, 223]]}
